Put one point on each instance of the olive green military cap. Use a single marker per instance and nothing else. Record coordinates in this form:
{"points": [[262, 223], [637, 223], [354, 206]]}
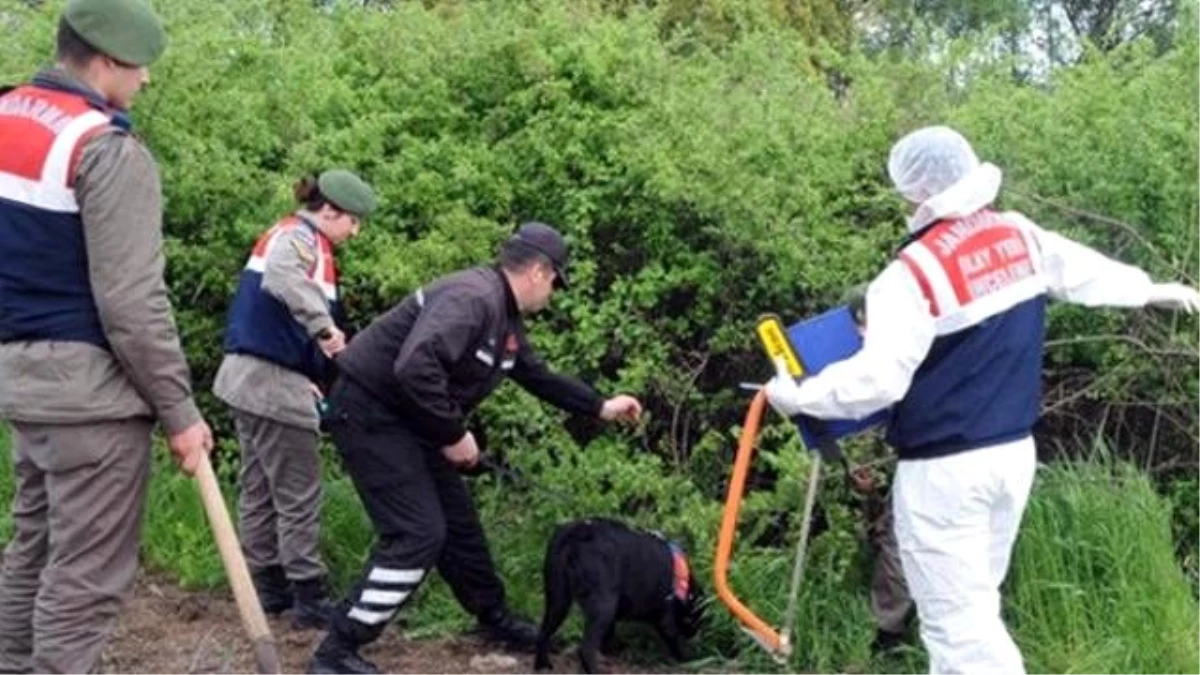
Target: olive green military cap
{"points": [[347, 191], [127, 30]]}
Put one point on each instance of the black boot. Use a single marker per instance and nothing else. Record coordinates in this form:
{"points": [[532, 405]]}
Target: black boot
{"points": [[336, 656], [513, 631], [274, 590], [312, 608], [887, 641]]}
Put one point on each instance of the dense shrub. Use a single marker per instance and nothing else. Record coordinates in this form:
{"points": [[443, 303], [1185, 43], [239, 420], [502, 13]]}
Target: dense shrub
{"points": [[702, 178]]}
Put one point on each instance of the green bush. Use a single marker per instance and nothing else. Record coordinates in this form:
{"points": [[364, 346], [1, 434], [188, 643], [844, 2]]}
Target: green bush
{"points": [[699, 185], [704, 171]]}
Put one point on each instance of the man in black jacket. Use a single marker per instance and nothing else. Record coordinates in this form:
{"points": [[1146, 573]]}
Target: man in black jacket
{"points": [[397, 415]]}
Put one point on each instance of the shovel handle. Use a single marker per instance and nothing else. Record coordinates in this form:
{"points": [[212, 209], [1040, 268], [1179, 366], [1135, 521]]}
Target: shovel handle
{"points": [[253, 619]]}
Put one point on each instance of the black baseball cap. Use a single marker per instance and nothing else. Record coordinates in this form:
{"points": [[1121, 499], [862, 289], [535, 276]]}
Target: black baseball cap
{"points": [[547, 241]]}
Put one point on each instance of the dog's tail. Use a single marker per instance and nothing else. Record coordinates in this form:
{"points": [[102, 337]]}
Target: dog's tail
{"points": [[556, 568], [556, 588], [572, 544]]}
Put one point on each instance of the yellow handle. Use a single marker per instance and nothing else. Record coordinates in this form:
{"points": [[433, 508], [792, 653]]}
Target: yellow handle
{"points": [[775, 341]]}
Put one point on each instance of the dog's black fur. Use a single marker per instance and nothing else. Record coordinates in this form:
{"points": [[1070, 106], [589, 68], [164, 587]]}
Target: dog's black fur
{"points": [[614, 572]]}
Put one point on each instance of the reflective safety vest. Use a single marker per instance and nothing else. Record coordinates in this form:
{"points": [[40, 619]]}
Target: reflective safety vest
{"points": [[261, 325], [45, 290], [980, 384]]}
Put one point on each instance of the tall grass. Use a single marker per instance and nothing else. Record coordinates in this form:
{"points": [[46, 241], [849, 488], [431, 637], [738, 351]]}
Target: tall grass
{"points": [[176, 537], [1095, 584], [1096, 587]]}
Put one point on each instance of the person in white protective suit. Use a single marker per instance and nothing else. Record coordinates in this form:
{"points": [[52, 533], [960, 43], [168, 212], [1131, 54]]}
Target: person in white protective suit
{"points": [[957, 329]]}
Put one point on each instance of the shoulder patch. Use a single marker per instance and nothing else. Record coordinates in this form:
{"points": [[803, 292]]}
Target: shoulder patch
{"points": [[305, 234], [305, 253]]}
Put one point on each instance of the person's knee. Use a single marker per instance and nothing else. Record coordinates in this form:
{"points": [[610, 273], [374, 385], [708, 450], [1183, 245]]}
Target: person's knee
{"points": [[301, 511], [421, 545], [431, 539], [22, 567]]}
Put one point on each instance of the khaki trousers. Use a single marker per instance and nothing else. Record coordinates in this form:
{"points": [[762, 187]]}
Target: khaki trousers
{"points": [[73, 557], [279, 502]]}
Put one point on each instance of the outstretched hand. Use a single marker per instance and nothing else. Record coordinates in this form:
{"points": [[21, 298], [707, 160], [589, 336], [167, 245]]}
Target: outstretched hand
{"points": [[1175, 296], [621, 407]]}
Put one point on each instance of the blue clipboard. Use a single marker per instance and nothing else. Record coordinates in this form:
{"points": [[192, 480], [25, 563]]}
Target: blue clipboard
{"points": [[819, 341]]}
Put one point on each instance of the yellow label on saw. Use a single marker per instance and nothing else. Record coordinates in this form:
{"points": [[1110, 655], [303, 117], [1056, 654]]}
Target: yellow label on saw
{"points": [[775, 341]]}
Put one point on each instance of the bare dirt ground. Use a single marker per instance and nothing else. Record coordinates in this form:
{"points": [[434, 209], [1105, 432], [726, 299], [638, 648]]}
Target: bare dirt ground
{"points": [[168, 630]]}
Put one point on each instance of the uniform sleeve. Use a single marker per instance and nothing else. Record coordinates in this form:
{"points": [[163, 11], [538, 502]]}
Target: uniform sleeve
{"points": [[120, 201], [562, 391], [446, 329], [1078, 274], [285, 278], [899, 333]]}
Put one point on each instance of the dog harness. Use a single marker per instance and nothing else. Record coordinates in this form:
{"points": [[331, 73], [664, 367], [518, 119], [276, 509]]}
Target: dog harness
{"points": [[681, 573], [263, 326], [679, 566]]}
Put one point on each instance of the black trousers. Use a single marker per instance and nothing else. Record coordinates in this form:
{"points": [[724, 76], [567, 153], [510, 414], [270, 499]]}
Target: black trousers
{"points": [[422, 511]]}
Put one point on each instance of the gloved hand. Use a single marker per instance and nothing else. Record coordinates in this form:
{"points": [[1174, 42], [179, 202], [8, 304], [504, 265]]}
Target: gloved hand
{"points": [[1175, 296], [783, 393]]}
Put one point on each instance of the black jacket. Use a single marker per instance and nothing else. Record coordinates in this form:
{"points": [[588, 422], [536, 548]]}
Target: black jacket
{"points": [[435, 356]]}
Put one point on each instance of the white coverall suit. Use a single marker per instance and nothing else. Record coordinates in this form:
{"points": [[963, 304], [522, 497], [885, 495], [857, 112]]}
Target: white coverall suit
{"points": [[958, 505]]}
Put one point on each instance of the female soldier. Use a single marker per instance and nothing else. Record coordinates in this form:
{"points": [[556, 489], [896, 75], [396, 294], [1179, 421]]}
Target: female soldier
{"points": [[280, 336]]}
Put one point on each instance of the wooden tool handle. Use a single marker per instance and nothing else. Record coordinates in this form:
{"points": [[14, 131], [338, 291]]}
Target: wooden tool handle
{"points": [[253, 619]]}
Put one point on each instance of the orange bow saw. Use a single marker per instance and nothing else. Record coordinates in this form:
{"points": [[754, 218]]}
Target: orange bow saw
{"points": [[776, 642]]}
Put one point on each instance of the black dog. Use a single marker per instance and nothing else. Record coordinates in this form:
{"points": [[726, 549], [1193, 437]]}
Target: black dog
{"points": [[615, 572]]}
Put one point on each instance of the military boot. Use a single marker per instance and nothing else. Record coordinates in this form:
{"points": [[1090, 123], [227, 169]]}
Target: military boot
{"points": [[274, 590], [334, 655], [311, 607], [514, 632]]}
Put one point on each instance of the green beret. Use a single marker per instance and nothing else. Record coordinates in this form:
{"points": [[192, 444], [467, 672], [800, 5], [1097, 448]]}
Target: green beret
{"points": [[347, 191], [127, 30]]}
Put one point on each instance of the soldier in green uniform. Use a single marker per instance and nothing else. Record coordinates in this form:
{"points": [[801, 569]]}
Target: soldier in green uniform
{"points": [[89, 352], [282, 332]]}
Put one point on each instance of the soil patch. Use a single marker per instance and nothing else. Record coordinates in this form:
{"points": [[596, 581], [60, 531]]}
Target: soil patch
{"points": [[165, 629]]}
